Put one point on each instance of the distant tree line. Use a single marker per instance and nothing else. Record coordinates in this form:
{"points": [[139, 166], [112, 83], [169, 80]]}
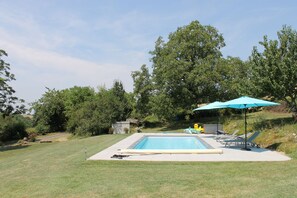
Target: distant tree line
{"points": [[187, 69], [81, 110]]}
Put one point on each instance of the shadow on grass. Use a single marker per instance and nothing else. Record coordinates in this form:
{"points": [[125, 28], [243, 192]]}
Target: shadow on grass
{"points": [[273, 146], [12, 147]]}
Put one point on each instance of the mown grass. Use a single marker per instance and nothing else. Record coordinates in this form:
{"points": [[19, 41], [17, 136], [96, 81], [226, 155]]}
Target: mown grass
{"points": [[60, 170]]}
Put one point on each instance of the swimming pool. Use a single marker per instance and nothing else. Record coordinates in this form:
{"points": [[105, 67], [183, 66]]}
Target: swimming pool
{"points": [[170, 142]]}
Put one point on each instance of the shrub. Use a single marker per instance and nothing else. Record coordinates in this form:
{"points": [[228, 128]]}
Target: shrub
{"points": [[111, 130], [42, 129], [82, 131], [32, 137], [151, 121], [126, 130], [12, 129], [31, 130], [25, 119]]}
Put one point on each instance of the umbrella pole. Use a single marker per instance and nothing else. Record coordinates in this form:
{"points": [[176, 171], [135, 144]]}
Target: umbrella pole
{"points": [[245, 136], [245, 133], [218, 120]]}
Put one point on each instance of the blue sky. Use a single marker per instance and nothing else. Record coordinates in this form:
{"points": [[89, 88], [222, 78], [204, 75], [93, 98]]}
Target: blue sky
{"points": [[63, 43]]}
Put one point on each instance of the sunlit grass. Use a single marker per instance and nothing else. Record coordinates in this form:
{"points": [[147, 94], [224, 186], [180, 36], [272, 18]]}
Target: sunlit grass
{"points": [[60, 169]]}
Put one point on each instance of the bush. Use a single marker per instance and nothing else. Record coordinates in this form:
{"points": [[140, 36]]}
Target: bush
{"points": [[32, 137], [12, 129], [111, 130], [31, 130], [42, 129], [25, 119], [126, 130], [151, 121], [82, 131]]}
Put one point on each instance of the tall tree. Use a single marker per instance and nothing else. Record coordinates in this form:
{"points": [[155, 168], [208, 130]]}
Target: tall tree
{"points": [[142, 90], [9, 104], [121, 106], [93, 116], [50, 111], [76, 96], [182, 66], [231, 78], [275, 69]]}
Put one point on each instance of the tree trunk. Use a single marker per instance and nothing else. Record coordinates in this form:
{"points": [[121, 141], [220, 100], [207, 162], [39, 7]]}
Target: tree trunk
{"points": [[293, 106], [294, 116]]}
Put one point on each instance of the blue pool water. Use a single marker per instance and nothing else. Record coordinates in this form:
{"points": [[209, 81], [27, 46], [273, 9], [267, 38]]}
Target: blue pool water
{"points": [[173, 142]]}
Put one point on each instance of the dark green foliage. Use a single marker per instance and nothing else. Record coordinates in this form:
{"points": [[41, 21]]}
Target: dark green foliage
{"points": [[230, 78], [181, 65], [11, 128], [50, 112], [89, 119], [42, 128], [75, 97], [96, 116], [9, 104], [27, 120], [162, 106], [151, 121], [81, 110], [142, 90], [275, 69], [189, 69], [120, 104]]}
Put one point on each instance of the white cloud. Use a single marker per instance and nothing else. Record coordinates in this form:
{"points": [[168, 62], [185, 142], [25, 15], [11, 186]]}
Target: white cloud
{"points": [[60, 44], [39, 69], [38, 59]]}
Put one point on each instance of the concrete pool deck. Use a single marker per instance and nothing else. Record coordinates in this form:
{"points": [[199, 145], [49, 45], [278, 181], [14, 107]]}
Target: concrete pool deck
{"points": [[229, 153]]}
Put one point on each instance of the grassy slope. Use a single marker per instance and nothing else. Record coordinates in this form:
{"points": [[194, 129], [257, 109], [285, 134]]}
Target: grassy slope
{"points": [[60, 170], [278, 130]]}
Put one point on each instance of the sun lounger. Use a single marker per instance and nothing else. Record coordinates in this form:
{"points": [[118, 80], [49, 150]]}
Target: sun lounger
{"points": [[241, 140], [191, 131], [221, 132], [224, 136], [240, 137]]}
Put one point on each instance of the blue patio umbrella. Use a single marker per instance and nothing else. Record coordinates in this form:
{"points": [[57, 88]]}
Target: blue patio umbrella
{"points": [[245, 102], [214, 105]]}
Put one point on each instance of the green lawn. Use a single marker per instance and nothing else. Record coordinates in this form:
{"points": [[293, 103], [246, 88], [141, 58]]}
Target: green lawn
{"points": [[60, 170]]}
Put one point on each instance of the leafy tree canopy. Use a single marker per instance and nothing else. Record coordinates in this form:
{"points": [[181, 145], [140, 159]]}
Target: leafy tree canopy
{"points": [[189, 69], [142, 90], [9, 104], [121, 106], [81, 110], [275, 69], [49, 111], [76, 96]]}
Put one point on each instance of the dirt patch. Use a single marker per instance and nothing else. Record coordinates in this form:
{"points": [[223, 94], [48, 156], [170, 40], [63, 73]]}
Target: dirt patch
{"points": [[54, 137]]}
